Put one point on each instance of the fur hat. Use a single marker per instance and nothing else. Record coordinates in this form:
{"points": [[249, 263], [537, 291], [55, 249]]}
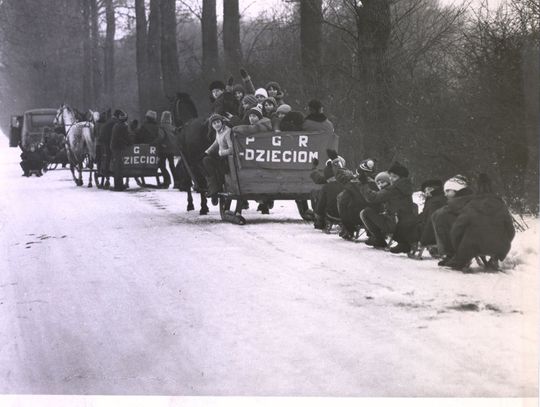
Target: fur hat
{"points": [[239, 88], [431, 183], [382, 177], [255, 110], [215, 117], [283, 109], [399, 170], [261, 91], [273, 84], [315, 105], [151, 114], [117, 113], [456, 183], [367, 165], [216, 85]]}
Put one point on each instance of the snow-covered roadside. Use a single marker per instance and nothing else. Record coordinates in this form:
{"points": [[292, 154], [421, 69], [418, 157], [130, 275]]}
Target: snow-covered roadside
{"points": [[141, 297]]}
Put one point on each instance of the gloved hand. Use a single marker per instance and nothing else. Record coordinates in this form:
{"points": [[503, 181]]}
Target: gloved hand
{"points": [[362, 177], [243, 73], [314, 163], [332, 154]]}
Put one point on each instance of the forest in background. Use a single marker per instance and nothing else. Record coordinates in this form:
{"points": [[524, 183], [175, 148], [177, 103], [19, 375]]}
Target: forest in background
{"points": [[442, 89]]}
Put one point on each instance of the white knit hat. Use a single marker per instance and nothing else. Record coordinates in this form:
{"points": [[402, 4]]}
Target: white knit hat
{"points": [[456, 183], [261, 91]]}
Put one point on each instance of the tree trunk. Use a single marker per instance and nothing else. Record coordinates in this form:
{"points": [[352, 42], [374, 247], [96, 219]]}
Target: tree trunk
{"points": [[87, 56], [109, 53], [169, 49], [94, 49], [310, 40], [154, 55], [210, 55], [141, 57], [231, 36], [373, 24]]}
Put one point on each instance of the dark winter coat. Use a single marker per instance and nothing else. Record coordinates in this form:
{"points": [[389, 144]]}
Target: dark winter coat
{"points": [[484, 227], [443, 220], [319, 122], [120, 137], [397, 199], [351, 202], [225, 104], [327, 202], [261, 126], [432, 203], [105, 132], [169, 140], [148, 133]]}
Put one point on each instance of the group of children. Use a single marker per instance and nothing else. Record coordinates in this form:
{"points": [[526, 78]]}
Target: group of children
{"points": [[245, 110], [455, 225]]}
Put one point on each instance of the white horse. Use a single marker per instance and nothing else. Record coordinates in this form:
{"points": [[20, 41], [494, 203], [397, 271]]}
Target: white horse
{"points": [[80, 143]]}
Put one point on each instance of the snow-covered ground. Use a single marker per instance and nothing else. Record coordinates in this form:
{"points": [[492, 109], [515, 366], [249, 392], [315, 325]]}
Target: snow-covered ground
{"points": [[127, 293]]}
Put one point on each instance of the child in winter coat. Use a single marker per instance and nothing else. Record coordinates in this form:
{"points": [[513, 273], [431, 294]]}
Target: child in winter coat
{"points": [[459, 194], [248, 102], [400, 214], [483, 228], [261, 95], [274, 90], [215, 162], [222, 101], [351, 202], [325, 199], [434, 200], [258, 123]]}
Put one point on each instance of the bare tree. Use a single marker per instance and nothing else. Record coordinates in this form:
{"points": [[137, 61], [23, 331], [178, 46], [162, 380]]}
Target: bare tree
{"points": [[87, 85], [210, 54], [142, 57], [310, 40], [154, 54], [169, 48], [231, 35], [109, 52], [94, 50]]}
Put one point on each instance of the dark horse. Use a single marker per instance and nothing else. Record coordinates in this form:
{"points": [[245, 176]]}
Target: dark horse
{"points": [[194, 140]]}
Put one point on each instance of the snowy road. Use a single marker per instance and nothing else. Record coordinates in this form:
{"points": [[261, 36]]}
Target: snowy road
{"points": [[127, 293]]}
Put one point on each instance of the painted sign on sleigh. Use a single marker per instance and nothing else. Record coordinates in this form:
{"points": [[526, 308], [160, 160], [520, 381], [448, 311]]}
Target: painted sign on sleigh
{"points": [[273, 166]]}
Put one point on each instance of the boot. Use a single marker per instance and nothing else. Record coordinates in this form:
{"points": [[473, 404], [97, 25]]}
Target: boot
{"points": [[213, 187], [401, 248], [376, 242], [444, 261]]}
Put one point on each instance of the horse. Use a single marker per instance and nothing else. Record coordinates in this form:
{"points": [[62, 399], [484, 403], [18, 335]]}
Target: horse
{"points": [[193, 140], [80, 142]]}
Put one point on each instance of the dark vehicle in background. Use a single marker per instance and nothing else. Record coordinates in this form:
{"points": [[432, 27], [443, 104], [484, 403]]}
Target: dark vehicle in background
{"points": [[30, 128]]}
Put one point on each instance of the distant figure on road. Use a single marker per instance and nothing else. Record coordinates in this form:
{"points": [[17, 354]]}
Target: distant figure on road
{"points": [[120, 139]]}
